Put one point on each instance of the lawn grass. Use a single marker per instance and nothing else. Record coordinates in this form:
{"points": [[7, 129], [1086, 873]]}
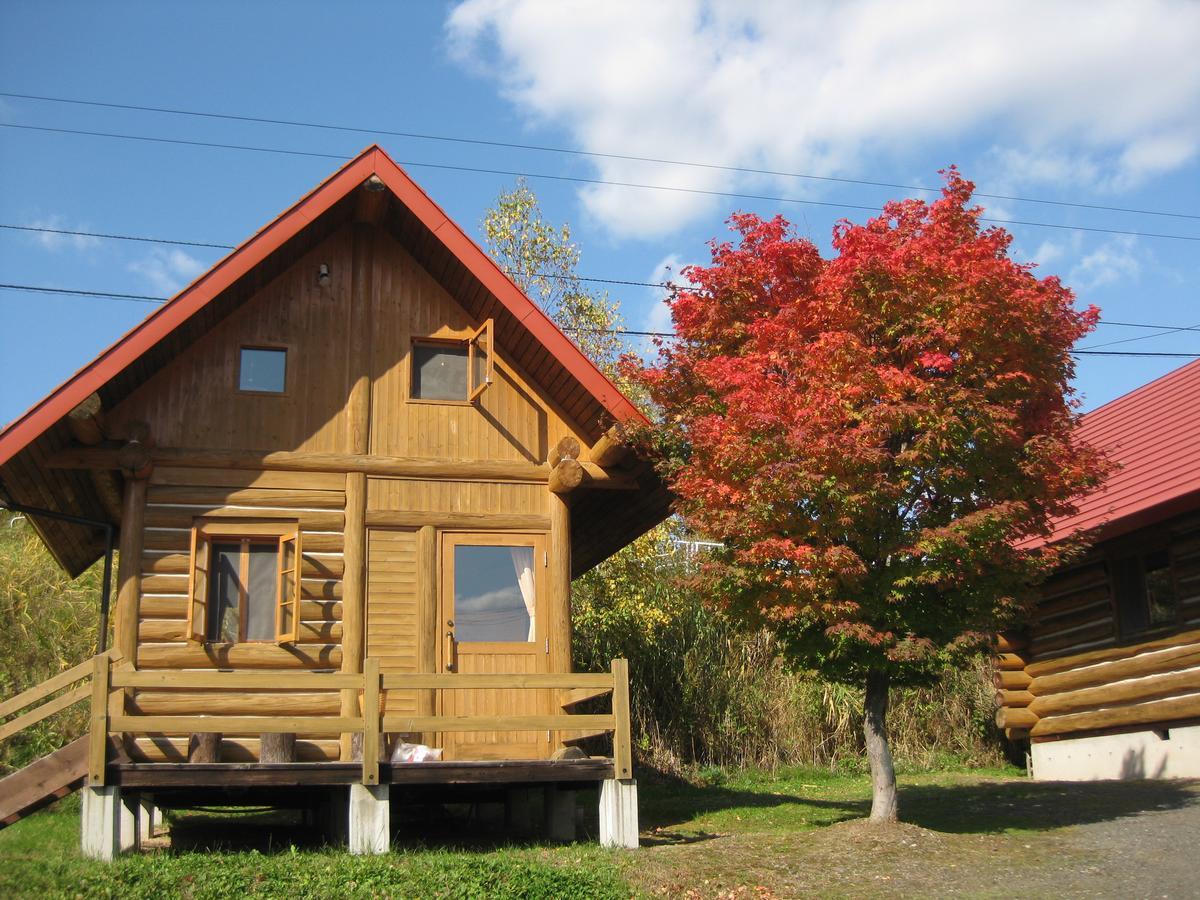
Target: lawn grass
{"points": [[731, 834]]}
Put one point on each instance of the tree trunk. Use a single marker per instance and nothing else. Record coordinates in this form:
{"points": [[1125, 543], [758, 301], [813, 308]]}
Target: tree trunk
{"points": [[883, 773]]}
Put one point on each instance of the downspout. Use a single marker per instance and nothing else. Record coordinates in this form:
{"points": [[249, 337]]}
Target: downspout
{"points": [[109, 531]]}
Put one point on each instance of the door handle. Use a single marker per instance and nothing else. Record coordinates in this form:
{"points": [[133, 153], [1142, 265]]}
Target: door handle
{"points": [[451, 650]]}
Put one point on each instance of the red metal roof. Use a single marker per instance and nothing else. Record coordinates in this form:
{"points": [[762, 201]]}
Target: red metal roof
{"points": [[1153, 433], [372, 161]]}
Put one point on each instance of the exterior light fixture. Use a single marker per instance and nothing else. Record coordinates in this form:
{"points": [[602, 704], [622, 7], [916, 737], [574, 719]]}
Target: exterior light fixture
{"points": [[323, 278]]}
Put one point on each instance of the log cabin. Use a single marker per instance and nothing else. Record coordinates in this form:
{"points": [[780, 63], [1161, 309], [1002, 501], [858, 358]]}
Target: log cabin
{"points": [[1104, 679], [351, 470]]}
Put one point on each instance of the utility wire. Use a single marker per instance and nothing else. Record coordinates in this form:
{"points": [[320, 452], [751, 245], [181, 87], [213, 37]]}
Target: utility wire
{"points": [[145, 298], [544, 148], [575, 179], [663, 285]]}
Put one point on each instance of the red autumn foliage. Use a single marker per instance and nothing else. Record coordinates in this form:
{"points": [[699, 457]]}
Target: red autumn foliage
{"points": [[871, 435]]}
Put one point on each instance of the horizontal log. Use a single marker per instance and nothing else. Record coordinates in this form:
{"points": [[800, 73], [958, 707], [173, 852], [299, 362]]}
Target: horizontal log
{"points": [[565, 680], [1008, 717], [178, 542], [239, 656], [1009, 662], [176, 608], [605, 479], [1011, 643], [1011, 681], [490, 521], [610, 448], [233, 749], [273, 497], [174, 630], [1155, 662], [495, 723], [1156, 712], [185, 516], [290, 461], [213, 680], [234, 724], [234, 703], [1061, 664], [1139, 690], [1014, 698], [248, 478], [86, 421], [165, 573], [1076, 637]]}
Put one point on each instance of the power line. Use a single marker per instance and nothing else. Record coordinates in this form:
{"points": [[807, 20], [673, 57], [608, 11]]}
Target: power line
{"points": [[544, 148], [145, 298], [575, 179]]}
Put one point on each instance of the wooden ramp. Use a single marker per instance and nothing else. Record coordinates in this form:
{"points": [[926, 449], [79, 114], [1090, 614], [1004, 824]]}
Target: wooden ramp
{"points": [[41, 783]]}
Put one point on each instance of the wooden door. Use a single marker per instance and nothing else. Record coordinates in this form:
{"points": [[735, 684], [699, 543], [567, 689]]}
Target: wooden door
{"points": [[492, 620]]}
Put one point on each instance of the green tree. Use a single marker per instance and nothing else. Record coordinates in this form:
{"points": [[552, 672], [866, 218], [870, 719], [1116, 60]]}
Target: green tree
{"points": [[542, 259]]}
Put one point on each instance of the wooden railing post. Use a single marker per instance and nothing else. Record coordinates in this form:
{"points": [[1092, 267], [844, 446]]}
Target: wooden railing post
{"points": [[98, 743], [370, 713], [622, 752]]}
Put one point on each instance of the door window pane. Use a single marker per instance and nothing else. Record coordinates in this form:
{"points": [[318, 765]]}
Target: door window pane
{"points": [[494, 596], [439, 372], [262, 370]]}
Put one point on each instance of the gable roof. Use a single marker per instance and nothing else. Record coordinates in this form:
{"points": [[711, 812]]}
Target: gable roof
{"points": [[528, 335], [1153, 433]]}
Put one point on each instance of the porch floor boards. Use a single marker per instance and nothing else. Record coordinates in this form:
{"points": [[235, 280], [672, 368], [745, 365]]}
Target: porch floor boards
{"points": [[298, 774]]}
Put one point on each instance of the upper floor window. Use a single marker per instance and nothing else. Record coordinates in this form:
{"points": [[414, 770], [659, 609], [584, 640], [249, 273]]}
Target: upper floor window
{"points": [[1144, 587], [263, 370], [245, 582], [453, 371]]}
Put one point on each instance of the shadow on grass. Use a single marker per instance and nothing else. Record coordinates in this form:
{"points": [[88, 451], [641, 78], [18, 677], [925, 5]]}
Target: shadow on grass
{"points": [[976, 808]]}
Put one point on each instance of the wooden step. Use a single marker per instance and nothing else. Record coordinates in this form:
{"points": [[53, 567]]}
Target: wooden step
{"points": [[42, 782]]}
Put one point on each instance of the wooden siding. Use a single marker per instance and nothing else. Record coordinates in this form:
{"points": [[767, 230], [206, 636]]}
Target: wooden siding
{"points": [[393, 633]]}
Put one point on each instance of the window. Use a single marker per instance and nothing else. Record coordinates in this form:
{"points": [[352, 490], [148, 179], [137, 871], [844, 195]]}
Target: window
{"points": [[494, 594], [1144, 586], [453, 371], [262, 370], [245, 582]]}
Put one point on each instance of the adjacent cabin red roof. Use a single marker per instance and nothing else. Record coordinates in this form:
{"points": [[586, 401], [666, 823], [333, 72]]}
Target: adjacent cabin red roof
{"points": [[1153, 433]]}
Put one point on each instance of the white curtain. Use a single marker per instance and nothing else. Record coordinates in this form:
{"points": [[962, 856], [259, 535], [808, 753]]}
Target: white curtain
{"points": [[522, 558]]}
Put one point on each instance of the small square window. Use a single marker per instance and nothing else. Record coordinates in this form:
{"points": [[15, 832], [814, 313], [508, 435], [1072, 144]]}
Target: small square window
{"points": [[439, 372], [262, 370]]}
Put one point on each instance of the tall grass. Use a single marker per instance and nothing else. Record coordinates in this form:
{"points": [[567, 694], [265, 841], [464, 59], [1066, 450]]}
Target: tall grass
{"points": [[706, 691], [47, 624]]}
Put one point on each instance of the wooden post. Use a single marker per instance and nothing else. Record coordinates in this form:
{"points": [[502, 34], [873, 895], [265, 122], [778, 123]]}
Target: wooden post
{"points": [[98, 738], [205, 747], [558, 584], [129, 569], [370, 760], [622, 750], [427, 615], [277, 747], [353, 596]]}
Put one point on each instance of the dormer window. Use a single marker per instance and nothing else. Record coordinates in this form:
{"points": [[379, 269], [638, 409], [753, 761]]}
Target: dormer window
{"points": [[263, 370], [453, 371]]}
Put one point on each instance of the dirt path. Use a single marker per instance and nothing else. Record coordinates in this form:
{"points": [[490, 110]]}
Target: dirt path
{"points": [[1112, 840]]}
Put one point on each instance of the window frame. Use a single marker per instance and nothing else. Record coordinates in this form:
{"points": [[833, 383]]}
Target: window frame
{"points": [[486, 331], [287, 370], [1139, 549], [207, 532]]}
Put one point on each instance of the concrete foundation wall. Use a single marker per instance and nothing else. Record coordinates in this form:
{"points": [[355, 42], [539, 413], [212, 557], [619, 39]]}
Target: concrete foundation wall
{"points": [[1171, 753]]}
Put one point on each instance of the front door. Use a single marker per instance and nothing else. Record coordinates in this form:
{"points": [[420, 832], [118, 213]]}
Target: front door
{"points": [[491, 620]]}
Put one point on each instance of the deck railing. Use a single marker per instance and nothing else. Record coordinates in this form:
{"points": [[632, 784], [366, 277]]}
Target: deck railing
{"points": [[371, 724]]}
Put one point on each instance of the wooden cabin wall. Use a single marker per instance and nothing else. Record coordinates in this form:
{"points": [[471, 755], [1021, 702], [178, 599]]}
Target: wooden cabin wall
{"points": [[193, 405], [1073, 674]]}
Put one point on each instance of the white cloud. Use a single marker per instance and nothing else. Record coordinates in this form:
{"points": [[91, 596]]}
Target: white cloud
{"points": [[167, 270], [54, 242], [1104, 90], [658, 315], [1108, 263]]}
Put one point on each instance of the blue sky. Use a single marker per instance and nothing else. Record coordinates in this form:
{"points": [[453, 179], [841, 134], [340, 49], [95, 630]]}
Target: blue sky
{"points": [[1095, 102]]}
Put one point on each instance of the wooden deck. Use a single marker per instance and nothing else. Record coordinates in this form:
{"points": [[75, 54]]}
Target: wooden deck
{"points": [[151, 776]]}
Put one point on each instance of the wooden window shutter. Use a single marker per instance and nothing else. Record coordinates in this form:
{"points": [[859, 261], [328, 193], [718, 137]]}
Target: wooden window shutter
{"points": [[480, 360], [287, 591], [198, 587]]}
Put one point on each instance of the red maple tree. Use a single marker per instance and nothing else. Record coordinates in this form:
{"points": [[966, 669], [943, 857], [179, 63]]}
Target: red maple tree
{"points": [[871, 436]]}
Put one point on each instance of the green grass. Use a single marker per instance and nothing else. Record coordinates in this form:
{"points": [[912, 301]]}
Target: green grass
{"points": [[733, 830]]}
